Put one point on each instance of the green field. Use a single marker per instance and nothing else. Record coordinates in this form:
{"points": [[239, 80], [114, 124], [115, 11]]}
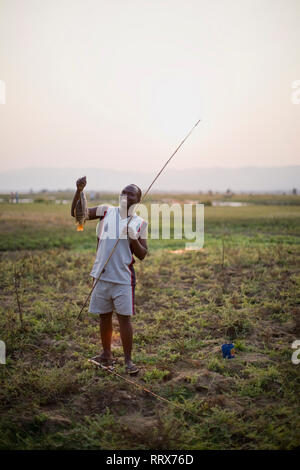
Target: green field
{"points": [[243, 286]]}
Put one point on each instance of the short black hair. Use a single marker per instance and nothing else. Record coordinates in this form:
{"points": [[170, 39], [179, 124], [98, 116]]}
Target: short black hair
{"points": [[139, 190]]}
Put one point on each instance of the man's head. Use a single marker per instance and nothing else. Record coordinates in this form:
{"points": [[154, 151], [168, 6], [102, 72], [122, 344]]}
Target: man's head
{"points": [[132, 193]]}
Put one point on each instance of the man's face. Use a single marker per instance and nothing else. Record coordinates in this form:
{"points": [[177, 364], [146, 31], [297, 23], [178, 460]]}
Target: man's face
{"points": [[129, 197]]}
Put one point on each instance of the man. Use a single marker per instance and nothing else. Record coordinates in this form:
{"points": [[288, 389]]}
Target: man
{"points": [[117, 283]]}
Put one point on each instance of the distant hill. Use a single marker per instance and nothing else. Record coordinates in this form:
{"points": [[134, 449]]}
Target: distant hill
{"points": [[255, 179]]}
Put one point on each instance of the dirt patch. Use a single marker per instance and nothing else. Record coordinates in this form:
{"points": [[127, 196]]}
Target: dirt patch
{"points": [[209, 383], [251, 358], [56, 423], [141, 425]]}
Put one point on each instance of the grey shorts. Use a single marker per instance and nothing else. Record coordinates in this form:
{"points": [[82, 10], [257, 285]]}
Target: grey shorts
{"points": [[107, 295]]}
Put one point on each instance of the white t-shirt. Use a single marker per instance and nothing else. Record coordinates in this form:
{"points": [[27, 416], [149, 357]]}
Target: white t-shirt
{"points": [[119, 268]]}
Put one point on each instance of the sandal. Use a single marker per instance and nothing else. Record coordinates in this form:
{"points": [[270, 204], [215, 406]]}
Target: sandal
{"points": [[132, 369], [103, 362]]}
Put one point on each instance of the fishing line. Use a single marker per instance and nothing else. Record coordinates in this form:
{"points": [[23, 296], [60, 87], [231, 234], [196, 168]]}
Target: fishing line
{"points": [[142, 199]]}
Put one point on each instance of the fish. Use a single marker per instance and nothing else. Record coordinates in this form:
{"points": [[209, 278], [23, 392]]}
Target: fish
{"points": [[81, 212]]}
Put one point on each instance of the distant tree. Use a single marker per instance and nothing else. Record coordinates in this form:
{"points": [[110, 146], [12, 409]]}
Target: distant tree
{"points": [[229, 192], [294, 191]]}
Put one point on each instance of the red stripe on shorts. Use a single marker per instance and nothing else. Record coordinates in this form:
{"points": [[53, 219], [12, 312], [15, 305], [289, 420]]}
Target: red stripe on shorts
{"points": [[132, 292]]}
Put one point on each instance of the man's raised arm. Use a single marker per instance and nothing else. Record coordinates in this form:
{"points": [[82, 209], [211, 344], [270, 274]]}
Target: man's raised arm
{"points": [[81, 183]]}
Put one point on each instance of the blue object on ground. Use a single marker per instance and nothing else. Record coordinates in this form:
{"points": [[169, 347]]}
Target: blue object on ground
{"points": [[227, 350]]}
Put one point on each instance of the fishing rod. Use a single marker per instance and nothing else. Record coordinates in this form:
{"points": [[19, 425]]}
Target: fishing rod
{"points": [[142, 199]]}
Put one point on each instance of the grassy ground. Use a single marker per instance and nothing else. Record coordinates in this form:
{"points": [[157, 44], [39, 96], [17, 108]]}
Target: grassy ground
{"points": [[243, 286]]}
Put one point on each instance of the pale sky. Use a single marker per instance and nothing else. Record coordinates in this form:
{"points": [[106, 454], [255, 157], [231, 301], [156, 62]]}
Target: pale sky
{"points": [[118, 83]]}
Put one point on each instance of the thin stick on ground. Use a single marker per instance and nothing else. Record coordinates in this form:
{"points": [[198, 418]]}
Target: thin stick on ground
{"points": [[223, 252], [144, 389], [16, 280]]}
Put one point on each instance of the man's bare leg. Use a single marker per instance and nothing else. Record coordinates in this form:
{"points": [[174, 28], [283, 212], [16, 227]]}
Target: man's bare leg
{"points": [[126, 337], [106, 334]]}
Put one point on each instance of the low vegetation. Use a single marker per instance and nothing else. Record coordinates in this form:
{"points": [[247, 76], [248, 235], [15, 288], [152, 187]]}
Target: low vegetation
{"points": [[242, 287]]}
